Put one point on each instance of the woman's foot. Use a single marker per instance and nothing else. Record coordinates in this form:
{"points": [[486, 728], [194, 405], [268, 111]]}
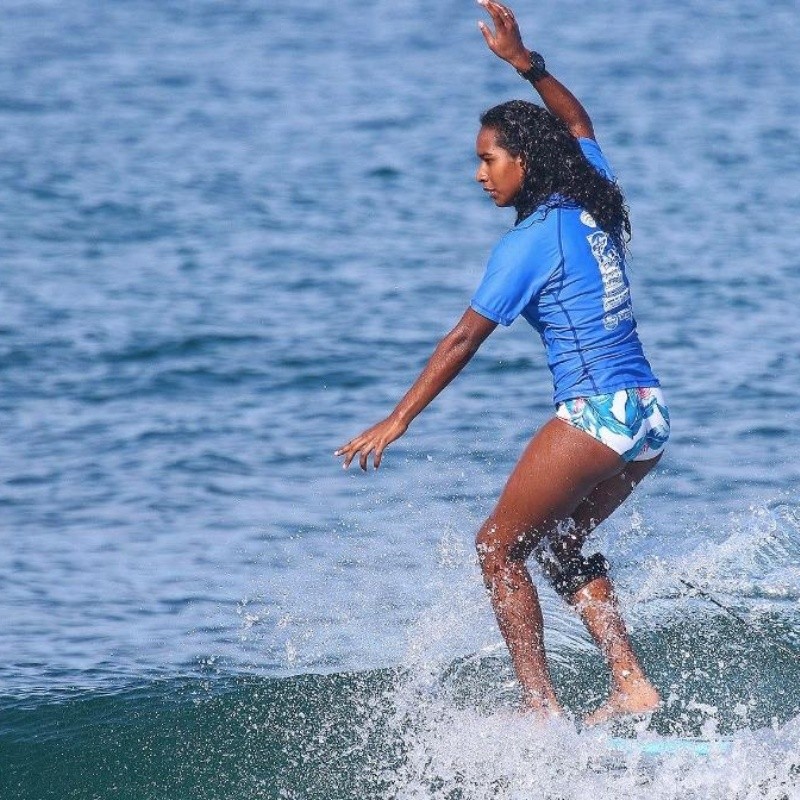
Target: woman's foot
{"points": [[541, 713], [634, 698]]}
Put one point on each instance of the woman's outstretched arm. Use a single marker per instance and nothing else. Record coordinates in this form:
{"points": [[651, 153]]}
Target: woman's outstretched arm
{"points": [[506, 43], [448, 359]]}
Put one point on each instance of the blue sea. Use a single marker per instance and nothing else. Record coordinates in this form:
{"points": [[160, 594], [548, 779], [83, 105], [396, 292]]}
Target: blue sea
{"points": [[231, 233]]}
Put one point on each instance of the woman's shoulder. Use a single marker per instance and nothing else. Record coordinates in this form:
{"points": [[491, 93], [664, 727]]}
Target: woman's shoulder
{"points": [[542, 220], [533, 238]]}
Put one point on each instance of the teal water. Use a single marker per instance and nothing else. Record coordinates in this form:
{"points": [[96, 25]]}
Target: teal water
{"points": [[389, 733], [230, 235], [386, 733]]}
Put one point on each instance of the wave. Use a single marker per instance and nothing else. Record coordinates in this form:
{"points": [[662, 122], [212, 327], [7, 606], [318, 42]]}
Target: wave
{"points": [[443, 726], [442, 732]]}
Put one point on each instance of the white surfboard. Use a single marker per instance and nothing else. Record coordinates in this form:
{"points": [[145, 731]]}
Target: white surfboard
{"points": [[668, 745]]}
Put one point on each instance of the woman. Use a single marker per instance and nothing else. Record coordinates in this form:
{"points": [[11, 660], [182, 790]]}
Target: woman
{"points": [[562, 268]]}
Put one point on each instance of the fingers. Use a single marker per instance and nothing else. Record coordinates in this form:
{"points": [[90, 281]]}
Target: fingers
{"points": [[350, 451], [503, 17], [505, 41], [372, 442], [486, 34], [364, 459], [506, 13], [361, 447]]}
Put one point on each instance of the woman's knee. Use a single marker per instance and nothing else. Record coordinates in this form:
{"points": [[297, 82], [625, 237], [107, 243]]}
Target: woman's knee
{"points": [[498, 550]]}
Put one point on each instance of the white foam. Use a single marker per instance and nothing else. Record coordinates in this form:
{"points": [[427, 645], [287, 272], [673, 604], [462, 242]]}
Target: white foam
{"points": [[459, 752], [461, 736]]}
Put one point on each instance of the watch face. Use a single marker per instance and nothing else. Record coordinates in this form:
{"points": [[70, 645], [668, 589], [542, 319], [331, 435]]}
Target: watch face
{"points": [[537, 68]]}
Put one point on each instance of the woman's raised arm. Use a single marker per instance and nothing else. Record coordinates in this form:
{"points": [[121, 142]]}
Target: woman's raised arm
{"points": [[506, 43]]}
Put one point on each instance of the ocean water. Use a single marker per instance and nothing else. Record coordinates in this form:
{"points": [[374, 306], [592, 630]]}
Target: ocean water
{"points": [[231, 233]]}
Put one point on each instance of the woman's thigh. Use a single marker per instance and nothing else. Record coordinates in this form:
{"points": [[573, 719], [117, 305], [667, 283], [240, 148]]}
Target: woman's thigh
{"points": [[610, 494], [560, 467], [598, 505]]}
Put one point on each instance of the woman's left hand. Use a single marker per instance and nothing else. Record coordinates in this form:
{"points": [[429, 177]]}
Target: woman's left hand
{"points": [[506, 41], [374, 440]]}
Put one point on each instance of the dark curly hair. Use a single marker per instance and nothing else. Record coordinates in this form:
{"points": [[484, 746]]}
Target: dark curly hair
{"points": [[555, 168]]}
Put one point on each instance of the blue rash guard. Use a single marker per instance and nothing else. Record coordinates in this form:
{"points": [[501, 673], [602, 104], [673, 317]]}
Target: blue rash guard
{"points": [[567, 278]]}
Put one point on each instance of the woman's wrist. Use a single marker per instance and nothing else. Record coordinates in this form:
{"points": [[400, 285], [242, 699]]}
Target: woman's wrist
{"points": [[535, 69], [522, 61], [402, 415]]}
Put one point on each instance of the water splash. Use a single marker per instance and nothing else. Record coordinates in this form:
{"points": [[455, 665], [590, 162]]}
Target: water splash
{"points": [[461, 736]]}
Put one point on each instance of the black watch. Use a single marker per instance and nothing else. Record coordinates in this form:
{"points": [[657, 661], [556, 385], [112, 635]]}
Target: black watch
{"points": [[536, 70]]}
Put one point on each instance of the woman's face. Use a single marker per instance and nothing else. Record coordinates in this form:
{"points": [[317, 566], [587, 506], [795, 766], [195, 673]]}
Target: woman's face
{"points": [[499, 173]]}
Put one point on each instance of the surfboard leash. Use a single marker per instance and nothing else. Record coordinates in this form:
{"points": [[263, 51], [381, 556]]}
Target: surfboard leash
{"points": [[779, 643]]}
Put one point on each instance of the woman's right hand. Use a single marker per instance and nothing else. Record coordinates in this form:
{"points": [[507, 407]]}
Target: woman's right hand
{"points": [[373, 440], [506, 41]]}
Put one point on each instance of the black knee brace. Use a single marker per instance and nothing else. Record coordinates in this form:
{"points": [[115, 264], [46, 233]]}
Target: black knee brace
{"points": [[569, 574]]}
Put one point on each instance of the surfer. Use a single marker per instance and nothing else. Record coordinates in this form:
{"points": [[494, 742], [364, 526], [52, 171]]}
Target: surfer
{"points": [[562, 268]]}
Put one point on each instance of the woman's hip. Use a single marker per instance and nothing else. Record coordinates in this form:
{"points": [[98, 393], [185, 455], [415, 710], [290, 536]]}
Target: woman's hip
{"points": [[633, 422]]}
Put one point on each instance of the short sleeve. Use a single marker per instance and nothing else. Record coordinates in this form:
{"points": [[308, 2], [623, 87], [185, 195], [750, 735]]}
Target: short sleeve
{"points": [[594, 155], [518, 270]]}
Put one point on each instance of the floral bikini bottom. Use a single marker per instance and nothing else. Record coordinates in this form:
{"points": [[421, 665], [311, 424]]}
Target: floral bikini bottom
{"points": [[632, 422]]}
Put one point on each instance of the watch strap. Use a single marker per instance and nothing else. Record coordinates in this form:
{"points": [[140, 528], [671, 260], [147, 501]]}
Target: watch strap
{"points": [[537, 69]]}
